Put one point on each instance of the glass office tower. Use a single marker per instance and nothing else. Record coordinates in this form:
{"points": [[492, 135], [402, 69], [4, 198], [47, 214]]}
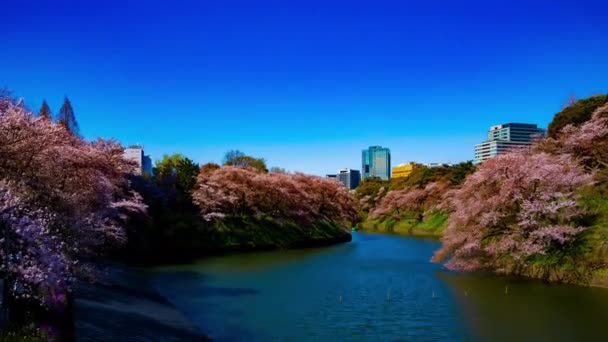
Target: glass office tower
{"points": [[376, 162]]}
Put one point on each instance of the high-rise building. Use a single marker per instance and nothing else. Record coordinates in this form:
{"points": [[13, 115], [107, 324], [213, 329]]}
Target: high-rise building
{"points": [[135, 153], [403, 170], [506, 137], [376, 162], [350, 178]]}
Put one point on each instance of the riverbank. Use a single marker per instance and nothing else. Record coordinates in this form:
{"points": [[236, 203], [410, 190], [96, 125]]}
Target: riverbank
{"points": [[554, 267], [238, 234], [123, 306], [431, 226]]}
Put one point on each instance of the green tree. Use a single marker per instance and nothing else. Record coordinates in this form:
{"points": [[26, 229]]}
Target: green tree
{"points": [[179, 169], [45, 111], [370, 187], [239, 159], [209, 168], [461, 171], [66, 117], [576, 113]]}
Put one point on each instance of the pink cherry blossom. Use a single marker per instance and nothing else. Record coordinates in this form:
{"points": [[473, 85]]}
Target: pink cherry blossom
{"points": [[232, 191], [515, 206], [60, 198]]}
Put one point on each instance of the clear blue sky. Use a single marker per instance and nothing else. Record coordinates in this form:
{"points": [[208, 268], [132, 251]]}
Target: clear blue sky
{"points": [[304, 84]]}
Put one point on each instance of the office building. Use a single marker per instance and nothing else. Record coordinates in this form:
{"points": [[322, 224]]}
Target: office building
{"points": [[506, 137], [376, 162], [143, 163], [350, 178], [403, 170]]}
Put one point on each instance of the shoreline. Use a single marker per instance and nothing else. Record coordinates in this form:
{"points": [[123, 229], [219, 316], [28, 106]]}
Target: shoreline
{"points": [[598, 278], [124, 304]]}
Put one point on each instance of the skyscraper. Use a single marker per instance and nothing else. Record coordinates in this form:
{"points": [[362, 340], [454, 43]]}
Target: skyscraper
{"points": [[350, 178], [505, 137], [376, 162]]}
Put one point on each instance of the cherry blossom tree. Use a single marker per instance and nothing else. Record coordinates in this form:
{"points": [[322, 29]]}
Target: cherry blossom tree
{"points": [[514, 207], [416, 201], [61, 198], [587, 142], [232, 191]]}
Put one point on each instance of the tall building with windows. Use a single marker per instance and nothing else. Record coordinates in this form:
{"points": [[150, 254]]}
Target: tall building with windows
{"points": [[376, 162], [135, 153], [505, 137], [350, 178]]}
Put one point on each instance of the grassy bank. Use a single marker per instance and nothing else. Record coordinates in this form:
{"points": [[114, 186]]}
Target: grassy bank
{"points": [[190, 238], [247, 233], [431, 225]]}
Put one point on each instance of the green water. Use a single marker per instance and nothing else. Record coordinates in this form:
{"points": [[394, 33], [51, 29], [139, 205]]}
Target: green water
{"points": [[376, 288]]}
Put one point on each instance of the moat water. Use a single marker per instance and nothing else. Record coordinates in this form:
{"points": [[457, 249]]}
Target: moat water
{"points": [[376, 288]]}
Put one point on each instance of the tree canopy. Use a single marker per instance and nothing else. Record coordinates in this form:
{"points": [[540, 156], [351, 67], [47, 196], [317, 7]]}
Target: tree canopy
{"points": [[45, 111], [67, 118], [61, 198], [230, 191], [576, 113], [240, 159], [182, 170]]}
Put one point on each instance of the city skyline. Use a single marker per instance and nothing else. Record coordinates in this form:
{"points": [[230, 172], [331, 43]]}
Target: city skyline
{"points": [[273, 79]]}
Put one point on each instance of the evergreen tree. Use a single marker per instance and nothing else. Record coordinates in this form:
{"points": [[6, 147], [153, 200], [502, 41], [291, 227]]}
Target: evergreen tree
{"points": [[45, 111], [66, 117]]}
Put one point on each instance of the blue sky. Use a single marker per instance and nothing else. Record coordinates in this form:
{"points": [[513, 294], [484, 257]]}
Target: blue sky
{"points": [[304, 84]]}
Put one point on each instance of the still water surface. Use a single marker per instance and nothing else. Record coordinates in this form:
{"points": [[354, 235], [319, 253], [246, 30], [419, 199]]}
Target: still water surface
{"points": [[376, 288]]}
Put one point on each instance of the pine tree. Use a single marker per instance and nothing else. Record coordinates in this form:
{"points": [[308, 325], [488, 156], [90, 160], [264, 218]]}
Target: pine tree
{"points": [[66, 117], [45, 111]]}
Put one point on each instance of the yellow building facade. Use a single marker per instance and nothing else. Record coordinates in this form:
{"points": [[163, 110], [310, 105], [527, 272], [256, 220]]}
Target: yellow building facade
{"points": [[403, 170]]}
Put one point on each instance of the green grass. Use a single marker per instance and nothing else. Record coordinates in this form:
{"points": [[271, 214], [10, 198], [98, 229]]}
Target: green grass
{"points": [[432, 225], [247, 232]]}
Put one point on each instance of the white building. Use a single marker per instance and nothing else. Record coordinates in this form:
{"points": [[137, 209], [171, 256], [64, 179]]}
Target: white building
{"points": [[506, 137], [136, 154]]}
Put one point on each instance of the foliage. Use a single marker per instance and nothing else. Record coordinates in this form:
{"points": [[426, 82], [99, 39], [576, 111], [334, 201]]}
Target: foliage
{"points": [[423, 175], [417, 202], [371, 187], [45, 111], [66, 117], [237, 192], [368, 193], [61, 198], [237, 209], [239, 159], [575, 114], [410, 194], [178, 170], [516, 206], [432, 224]]}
